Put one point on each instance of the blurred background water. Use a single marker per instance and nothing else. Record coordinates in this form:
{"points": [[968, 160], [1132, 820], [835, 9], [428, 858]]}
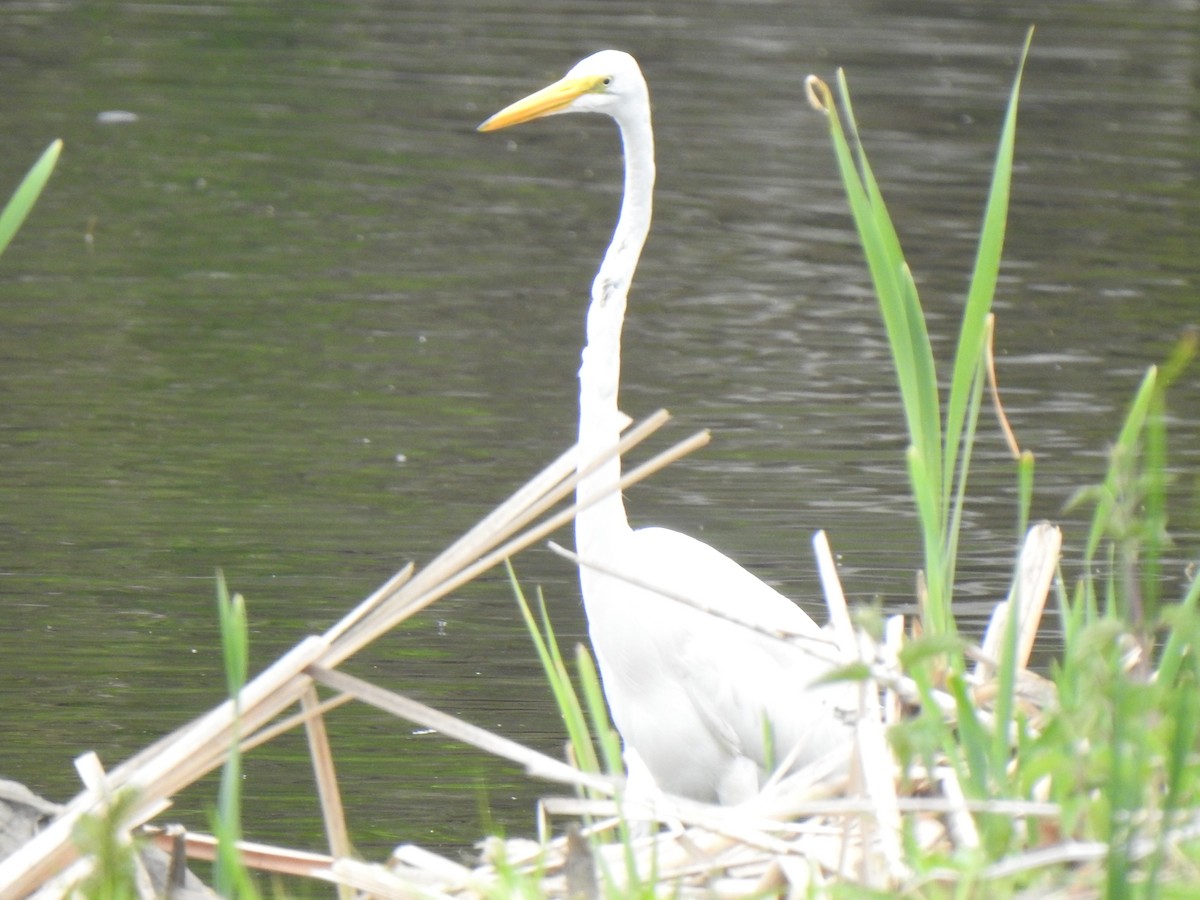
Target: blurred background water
{"points": [[295, 319]]}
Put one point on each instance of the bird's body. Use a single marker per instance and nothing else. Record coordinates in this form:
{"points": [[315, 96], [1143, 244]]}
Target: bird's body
{"points": [[705, 707], [691, 692]]}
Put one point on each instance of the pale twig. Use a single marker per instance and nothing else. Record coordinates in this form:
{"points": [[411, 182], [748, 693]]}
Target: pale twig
{"points": [[876, 764], [536, 764], [328, 793], [1035, 570], [264, 857], [818, 644]]}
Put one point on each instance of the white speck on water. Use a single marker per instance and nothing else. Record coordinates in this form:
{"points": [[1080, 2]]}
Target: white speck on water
{"points": [[116, 117]]}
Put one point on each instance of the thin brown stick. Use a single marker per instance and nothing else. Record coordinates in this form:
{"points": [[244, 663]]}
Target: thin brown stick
{"points": [[993, 386], [328, 793], [263, 857], [819, 644]]}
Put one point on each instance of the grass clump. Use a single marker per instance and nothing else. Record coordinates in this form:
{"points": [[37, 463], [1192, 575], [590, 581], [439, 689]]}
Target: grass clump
{"points": [[1110, 738], [940, 437], [104, 837]]}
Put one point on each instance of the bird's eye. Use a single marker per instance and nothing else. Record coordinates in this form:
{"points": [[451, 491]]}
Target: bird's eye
{"points": [[608, 79]]}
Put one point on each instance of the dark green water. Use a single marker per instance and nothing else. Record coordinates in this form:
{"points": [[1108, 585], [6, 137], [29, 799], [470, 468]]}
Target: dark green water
{"points": [[300, 322]]}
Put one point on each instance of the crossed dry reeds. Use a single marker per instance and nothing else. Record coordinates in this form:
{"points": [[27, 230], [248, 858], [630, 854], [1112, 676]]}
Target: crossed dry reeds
{"points": [[172, 763], [805, 830]]}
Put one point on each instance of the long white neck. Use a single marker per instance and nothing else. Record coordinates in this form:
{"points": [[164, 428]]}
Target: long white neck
{"points": [[600, 372]]}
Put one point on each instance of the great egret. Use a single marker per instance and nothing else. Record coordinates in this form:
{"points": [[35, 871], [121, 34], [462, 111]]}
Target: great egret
{"points": [[704, 706]]}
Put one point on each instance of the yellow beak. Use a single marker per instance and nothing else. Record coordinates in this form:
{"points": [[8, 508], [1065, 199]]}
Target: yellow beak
{"points": [[551, 99]]}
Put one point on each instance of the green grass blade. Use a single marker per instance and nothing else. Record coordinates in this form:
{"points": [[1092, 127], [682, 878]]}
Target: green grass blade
{"points": [[925, 419], [1123, 451], [983, 281], [899, 303], [912, 350], [973, 738], [565, 697], [1183, 720], [1178, 647], [597, 709], [1154, 514], [1025, 467], [27, 192], [230, 876], [235, 640], [954, 524], [610, 748], [936, 615]]}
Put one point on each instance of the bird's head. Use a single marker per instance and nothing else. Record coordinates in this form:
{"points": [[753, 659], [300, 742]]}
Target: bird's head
{"points": [[606, 82]]}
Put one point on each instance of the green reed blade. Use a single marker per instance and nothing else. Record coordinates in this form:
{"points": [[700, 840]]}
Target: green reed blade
{"points": [[973, 333], [27, 192]]}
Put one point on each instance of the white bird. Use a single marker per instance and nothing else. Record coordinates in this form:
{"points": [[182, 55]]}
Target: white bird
{"points": [[705, 708]]}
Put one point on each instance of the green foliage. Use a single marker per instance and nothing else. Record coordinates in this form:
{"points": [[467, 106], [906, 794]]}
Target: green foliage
{"points": [[104, 837], [1130, 504], [940, 443], [1117, 750], [230, 876], [583, 750], [27, 192], [587, 725]]}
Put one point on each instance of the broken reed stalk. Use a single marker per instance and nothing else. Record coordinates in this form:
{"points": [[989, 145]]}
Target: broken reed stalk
{"points": [[173, 762], [1036, 567], [279, 860], [875, 764], [325, 775]]}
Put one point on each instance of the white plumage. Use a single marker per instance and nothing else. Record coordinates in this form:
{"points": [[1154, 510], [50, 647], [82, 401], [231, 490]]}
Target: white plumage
{"points": [[705, 707]]}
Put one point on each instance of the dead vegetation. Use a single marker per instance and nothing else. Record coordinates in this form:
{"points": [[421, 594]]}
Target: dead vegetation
{"points": [[811, 829]]}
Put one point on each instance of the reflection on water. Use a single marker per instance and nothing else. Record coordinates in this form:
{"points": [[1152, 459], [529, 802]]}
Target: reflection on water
{"points": [[322, 327]]}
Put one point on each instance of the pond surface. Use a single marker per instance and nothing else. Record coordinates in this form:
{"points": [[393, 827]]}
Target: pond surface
{"points": [[300, 322]]}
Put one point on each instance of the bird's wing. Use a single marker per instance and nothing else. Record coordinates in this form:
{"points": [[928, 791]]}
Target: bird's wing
{"points": [[686, 567], [737, 679]]}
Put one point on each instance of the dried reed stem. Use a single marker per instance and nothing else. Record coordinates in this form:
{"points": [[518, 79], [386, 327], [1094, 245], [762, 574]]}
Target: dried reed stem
{"points": [[328, 794], [1036, 566], [177, 760]]}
